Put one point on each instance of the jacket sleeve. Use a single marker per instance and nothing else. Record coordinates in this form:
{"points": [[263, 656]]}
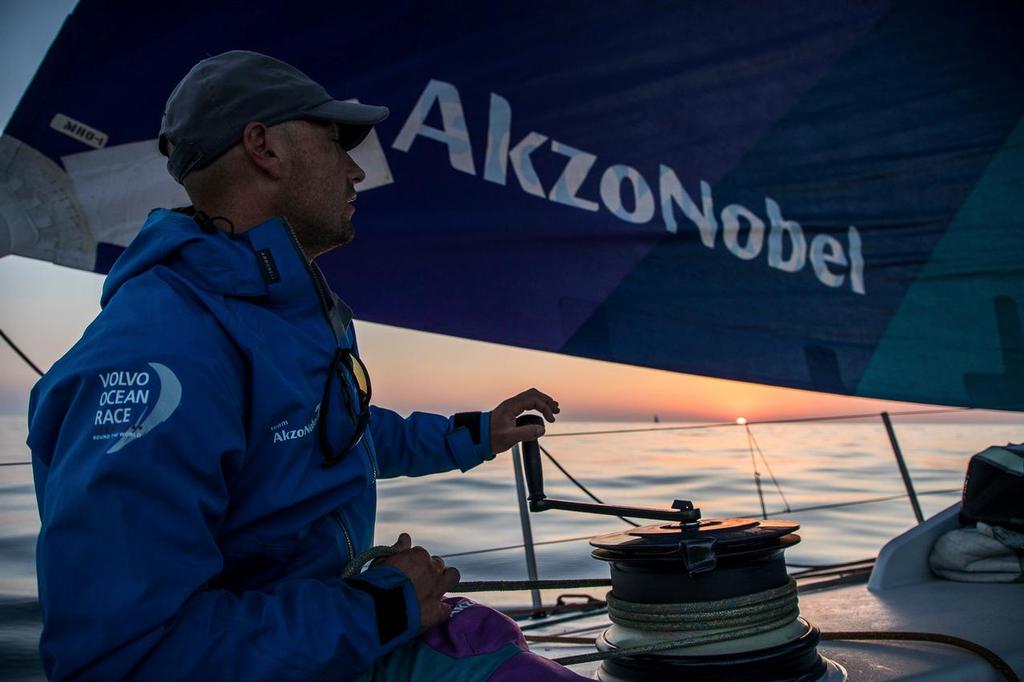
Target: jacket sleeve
{"points": [[424, 443], [128, 547]]}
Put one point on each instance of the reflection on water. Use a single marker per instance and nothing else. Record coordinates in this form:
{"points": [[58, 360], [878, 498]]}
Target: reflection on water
{"points": [[453, 513]]}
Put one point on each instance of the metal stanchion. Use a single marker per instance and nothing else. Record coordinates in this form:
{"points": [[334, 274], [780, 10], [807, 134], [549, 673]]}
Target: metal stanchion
{"points": [[904, 472], [524, 521]]}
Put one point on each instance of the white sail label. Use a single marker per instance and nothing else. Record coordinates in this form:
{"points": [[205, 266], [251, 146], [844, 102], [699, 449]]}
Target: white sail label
{"points": [[79, 131]]}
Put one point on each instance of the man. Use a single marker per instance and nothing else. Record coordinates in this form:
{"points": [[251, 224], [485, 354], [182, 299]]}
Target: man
{"points": [[205, 458]]}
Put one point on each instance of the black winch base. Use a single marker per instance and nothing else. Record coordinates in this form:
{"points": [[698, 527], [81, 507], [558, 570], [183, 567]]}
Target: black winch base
{"points": [[794, 661]]}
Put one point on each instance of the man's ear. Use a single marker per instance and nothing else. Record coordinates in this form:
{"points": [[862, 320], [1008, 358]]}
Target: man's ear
{"points": [[263, 149]]}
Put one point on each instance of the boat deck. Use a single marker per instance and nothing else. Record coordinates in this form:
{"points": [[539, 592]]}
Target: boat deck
{"points": [[991, 615], [902, 595]]}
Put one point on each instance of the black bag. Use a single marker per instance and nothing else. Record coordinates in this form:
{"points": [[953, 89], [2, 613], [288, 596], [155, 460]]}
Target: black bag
{"points": [[994, 488]]}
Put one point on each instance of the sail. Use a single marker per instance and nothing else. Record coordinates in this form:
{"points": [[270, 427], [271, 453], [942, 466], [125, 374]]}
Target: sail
{"points": [[816, 195]]}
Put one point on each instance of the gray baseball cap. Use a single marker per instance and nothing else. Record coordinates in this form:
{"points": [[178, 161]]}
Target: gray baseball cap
{"points": [[209, 109]]}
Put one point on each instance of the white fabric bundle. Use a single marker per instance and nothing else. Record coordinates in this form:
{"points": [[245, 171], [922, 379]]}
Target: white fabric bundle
{"points": [[985, 554]]}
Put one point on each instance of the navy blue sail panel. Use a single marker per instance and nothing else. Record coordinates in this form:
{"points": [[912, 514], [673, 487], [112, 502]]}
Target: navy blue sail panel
{"points": [[812, 195]]}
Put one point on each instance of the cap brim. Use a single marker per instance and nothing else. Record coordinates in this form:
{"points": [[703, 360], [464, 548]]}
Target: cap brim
{"points": [[356, 119]]}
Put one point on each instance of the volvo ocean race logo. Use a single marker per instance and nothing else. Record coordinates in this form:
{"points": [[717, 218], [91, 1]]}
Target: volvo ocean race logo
{"points": [[131, 404]]}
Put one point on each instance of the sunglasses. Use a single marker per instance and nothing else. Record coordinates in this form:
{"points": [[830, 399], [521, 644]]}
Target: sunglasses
{"points": [[343, 360]]}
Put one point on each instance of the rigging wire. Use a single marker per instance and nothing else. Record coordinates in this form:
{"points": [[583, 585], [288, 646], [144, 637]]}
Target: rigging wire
{"points": [[17, 350], [519, 546], [757, 476], [751, 441], [579, 485], [795, 420], [887, 498]]}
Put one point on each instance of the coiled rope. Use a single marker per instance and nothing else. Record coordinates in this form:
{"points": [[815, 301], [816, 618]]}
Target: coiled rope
{"points": [[357, 562], [735, 617], [698, 622]]}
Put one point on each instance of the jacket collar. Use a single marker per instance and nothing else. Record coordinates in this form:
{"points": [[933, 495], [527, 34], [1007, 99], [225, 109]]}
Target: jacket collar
{"points": [[264, 261]]}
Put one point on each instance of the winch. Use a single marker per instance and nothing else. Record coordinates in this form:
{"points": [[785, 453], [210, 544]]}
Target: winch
{"points": [[696, 599]]}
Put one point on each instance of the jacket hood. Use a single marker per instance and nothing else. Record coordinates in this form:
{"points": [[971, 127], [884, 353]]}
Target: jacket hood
{"points": [[213, 261]]}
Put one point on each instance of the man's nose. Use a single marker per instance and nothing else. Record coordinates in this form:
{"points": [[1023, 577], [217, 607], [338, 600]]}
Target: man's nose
{"points": [[356, 174]]}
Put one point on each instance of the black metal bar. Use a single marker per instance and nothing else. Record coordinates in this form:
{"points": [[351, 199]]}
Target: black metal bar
{"points": [[533, 469], [539, 502], [579, 485], [904, 472], [524, 522], [684, 516]]}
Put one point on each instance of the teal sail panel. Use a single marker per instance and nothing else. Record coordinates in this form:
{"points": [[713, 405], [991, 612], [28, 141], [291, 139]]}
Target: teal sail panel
{"points": [[815, 195]]}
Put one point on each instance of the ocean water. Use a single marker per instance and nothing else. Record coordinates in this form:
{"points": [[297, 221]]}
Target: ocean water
{"points": [[454, 514]]}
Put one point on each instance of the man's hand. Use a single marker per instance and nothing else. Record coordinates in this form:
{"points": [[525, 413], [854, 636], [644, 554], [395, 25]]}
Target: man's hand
{"points": [[429, 576], [505, 433]]}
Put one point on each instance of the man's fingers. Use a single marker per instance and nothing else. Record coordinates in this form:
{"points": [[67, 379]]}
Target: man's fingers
{"points": [[433, 612], [533, 400], [543, 398], [446, 581], [451, 578], [404, 542], [527, 432], [504, 432]]}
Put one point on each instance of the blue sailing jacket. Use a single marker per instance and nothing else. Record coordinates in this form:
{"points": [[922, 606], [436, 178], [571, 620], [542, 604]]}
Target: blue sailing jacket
{"points": [[188, 527]]}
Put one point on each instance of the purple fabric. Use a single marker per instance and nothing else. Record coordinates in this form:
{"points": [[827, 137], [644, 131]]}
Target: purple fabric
{"points": [[476, 629], [473, 629]]}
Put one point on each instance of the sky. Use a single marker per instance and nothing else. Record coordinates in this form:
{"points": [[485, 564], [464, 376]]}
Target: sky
{"points": [[45, 308]]}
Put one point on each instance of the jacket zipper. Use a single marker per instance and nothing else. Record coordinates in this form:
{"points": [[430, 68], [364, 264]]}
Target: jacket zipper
{"points": [[336, 516], [319, 285], [369, 456]]}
